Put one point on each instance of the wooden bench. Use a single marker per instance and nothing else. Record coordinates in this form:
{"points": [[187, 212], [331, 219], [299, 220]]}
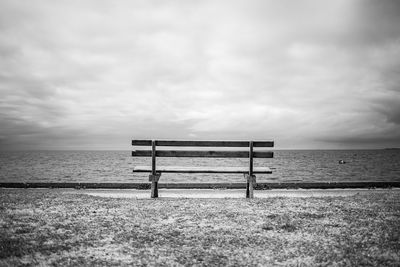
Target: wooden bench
{"points": [[155, 171]]}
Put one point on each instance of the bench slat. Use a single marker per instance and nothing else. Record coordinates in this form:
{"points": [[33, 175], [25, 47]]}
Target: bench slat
{"points": [[181, 169], [203, 154], [203, 143]]}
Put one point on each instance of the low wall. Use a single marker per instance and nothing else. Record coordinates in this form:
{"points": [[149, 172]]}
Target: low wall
{"points": [[259, 186]]}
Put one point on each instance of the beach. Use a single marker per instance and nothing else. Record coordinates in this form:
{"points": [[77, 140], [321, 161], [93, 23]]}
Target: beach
{"points": [[207, 228]]}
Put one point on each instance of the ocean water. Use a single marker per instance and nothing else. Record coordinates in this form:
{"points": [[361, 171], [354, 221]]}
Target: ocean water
{"points": [[117, 166]]}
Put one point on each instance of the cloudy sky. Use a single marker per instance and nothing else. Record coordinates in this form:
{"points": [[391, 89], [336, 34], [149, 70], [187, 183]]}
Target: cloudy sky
{"points": [[95, 74]]}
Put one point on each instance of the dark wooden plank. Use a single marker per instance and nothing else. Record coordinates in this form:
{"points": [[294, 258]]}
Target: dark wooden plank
{"points": [[263, 144], [141, 142], [263, 154], [184, 169], [202, 143], [203, 185], [202, 154], [179, 143]]}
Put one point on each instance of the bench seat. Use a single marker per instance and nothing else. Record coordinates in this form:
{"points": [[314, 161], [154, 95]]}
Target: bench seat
{"points": [[181, 169]]}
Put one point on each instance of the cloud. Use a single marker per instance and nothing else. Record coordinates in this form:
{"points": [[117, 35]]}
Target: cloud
{"points": [[94, 74]]}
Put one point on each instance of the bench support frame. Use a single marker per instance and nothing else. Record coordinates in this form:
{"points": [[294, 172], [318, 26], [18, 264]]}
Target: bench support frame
{"points": [[154, 184], [154, 177], [250, 177], [251, 182]]}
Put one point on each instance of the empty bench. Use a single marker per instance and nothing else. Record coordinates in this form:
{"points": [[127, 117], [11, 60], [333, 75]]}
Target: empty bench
{"points": [[155, 171]]}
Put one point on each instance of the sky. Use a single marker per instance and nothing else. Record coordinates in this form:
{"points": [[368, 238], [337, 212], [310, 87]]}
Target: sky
{"points": [[308, 74]]}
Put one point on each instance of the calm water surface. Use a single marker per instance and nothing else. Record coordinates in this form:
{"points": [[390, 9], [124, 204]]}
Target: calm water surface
{"points": [[116, 166]]}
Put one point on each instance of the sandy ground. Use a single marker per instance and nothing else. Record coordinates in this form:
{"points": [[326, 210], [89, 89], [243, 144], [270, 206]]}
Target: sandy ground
{"points": [[227, 193]]}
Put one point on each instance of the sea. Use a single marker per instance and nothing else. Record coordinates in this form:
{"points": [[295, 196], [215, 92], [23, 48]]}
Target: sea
{"points": [[117, 166]]}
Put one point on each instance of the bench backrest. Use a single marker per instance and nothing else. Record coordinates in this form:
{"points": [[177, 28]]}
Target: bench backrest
{"points": [[153, 152]]}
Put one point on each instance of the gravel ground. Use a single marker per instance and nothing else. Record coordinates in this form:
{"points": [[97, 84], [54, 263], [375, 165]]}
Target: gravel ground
{"points": [[55, 227]]}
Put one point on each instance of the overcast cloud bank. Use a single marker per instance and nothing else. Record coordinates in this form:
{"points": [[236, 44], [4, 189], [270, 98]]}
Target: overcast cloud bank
{"points": [[95, 74]]}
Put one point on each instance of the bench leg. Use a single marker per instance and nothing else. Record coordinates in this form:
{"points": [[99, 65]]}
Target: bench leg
{"points": [[251, 181], [154, 184], [154, 189]]}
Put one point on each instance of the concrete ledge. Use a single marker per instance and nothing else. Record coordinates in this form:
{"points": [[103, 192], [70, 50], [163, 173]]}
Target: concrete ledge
{"points": [[259, 186]]}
